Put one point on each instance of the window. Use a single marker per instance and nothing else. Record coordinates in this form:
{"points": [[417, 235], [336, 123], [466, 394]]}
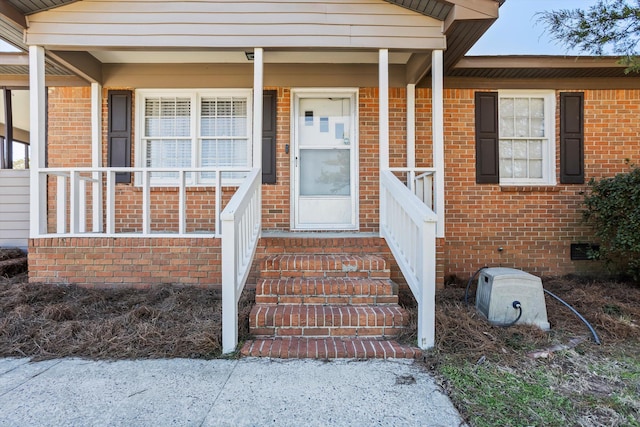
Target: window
{"points": [[515, 137], [194, 129], [526, 137]]}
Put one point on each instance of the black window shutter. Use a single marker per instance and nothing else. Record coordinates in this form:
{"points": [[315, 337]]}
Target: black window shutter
{"points": [[119, 132], [269, 108], [487, 164], [572, 137]]}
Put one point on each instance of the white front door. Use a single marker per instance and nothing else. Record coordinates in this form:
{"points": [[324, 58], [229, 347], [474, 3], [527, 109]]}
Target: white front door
{"points": [[324, 164]]}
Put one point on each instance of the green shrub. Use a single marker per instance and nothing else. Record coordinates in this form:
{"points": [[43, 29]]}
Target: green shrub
{"points": [[613, 210]]}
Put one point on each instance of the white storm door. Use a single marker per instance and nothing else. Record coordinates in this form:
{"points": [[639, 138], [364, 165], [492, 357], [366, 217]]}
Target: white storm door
{"points": [[324, 187]]}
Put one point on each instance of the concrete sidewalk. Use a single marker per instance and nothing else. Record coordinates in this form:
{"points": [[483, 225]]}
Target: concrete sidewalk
{"points": [[244, 392]]}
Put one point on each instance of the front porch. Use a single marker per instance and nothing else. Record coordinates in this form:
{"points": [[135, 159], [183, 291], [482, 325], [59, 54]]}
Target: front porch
{"points": [[180, 141], [202, 227], [75, 254]]}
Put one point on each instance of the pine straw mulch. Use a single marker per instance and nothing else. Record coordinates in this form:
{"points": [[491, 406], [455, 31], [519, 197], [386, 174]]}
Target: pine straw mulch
{"points": [[612, 308], [6, 254], [45, 321]]}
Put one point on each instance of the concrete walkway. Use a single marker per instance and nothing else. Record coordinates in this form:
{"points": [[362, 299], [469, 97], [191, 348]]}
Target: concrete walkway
{"points": [[244, 392]]}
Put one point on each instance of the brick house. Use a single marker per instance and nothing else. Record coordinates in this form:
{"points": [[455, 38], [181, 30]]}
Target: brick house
{"points": [[379, 138]]}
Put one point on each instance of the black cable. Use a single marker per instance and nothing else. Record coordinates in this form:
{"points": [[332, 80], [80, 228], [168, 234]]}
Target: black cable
{"points": [[593, 332], [517, 306], [466, 291]]}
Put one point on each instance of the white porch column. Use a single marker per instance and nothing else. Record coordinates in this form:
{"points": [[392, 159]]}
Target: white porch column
{"points": [[437, 99], [383, 76], [257, 106], [37, 119], [411, 133], [96, 155]]}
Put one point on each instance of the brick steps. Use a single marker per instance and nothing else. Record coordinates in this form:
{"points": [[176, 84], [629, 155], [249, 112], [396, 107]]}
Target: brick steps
{"points": [[334, 291], [290, 266], [328, 348], [326, 306], [329, 320]]}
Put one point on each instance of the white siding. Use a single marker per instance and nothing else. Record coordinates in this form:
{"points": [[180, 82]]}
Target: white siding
{"points": [[235, 24], [14, 208]]}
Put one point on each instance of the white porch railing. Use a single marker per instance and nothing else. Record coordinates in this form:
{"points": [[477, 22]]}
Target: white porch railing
{"points": [[241, 227], [74, 207], [409, 227], [420, 182]]}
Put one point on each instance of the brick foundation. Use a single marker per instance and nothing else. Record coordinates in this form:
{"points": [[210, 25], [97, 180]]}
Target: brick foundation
{"points": [[125, 262], [145, 262]]}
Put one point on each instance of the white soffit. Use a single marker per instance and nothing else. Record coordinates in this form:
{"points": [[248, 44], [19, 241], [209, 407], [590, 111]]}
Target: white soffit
{"points": [[289, 57]]}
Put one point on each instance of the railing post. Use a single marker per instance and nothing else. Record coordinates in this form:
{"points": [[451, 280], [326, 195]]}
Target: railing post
{"points": [[111, 202], [146, 203], [182, 204], [218, 202], [82, 203], [61, 204], [74, 202], [229, 297], [427, 298]]}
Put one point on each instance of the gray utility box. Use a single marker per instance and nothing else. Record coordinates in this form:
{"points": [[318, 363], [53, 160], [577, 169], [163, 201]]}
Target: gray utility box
{"points": [[498, 288]]}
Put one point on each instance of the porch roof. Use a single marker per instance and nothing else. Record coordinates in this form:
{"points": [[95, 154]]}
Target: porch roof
{"points": [[541, 72], [75, 33]]}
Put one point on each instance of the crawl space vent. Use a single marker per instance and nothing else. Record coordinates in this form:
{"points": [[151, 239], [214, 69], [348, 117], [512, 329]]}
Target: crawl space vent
{"points": [[498, 288]]}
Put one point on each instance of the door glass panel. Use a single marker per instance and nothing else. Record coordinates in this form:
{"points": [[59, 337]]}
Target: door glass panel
{"points": [[325, 172], [324, 122]]}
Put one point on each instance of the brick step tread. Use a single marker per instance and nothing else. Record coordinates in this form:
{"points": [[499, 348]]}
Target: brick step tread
{"points": [[324, 265], [329, 348], [327, 317], [334, 291], [13, 266]]}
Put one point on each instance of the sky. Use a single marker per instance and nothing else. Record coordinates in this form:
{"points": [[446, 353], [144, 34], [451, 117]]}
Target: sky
{"points": [[516, 32]]}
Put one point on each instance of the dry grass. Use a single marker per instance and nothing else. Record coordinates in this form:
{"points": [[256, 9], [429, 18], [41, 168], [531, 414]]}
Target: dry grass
{"points": [[44, 321]]}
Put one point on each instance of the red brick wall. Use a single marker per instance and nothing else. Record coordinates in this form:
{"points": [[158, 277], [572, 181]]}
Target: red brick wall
{"points": [[69, 133], [275, 197], [533, 225], [68, 137]]}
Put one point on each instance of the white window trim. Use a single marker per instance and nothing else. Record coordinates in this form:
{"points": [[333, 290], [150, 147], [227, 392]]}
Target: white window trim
{"points": [[195, 95], [549, 162]]}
